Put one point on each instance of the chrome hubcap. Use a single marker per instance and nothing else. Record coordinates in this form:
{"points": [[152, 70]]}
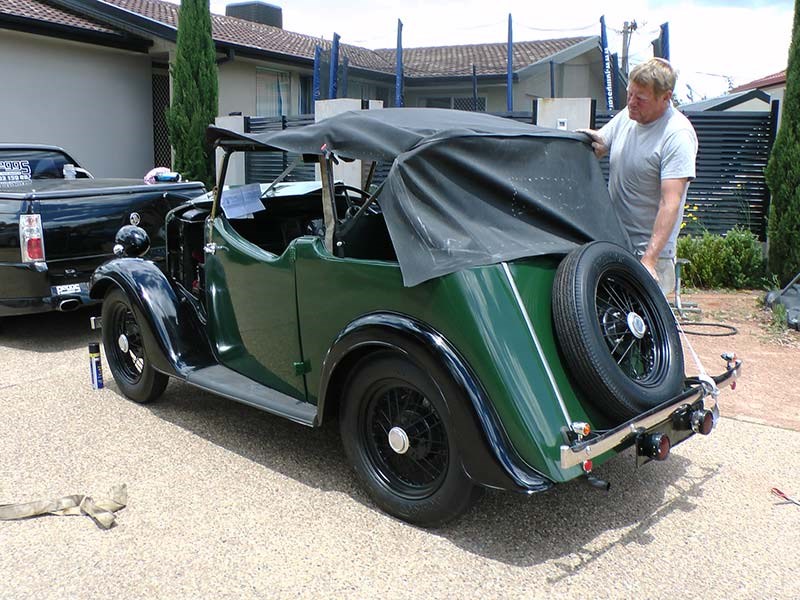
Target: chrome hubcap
{"points": [[122, 342], [637, 325], [398, 440]]}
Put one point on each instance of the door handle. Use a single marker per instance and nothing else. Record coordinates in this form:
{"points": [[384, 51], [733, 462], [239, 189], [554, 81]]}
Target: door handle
{"points": [[211, 248]]}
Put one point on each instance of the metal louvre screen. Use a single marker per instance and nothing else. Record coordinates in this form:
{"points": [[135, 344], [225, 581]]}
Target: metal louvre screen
{"points": [[730, 188], [264, 167]]}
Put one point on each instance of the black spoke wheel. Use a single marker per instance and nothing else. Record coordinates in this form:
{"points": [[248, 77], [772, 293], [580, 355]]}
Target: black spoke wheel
{"points": [[125, 351], [403, 416], [397, 434], [616, 331]]}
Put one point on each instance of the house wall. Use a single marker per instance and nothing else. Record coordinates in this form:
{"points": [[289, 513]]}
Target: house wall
{"points": [[93, 101], [776, 93], [581, 77], [754, 104], [237, 87]]}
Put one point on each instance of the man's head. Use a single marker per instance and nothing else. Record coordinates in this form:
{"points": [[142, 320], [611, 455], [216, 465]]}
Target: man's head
{"points": [[650, 89]]}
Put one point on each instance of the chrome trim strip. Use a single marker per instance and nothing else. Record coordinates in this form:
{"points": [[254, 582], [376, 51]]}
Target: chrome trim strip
{"points": [[578, 452], [536, 342]]}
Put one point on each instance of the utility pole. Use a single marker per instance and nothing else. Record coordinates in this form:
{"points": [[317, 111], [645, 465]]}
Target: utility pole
{"points": [[627, 29]]}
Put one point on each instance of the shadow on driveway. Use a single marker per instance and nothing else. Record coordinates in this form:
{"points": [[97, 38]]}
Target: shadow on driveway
{"points": [[562, 524], [50, 331]]}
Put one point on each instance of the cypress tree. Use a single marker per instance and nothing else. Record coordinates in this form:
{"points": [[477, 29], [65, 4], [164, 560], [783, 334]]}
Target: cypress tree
{"points": [[783, 172], [194, 93]]}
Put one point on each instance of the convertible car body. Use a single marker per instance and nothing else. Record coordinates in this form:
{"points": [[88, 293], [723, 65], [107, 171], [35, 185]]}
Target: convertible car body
{"points": [[54, 230], [475, 320]]}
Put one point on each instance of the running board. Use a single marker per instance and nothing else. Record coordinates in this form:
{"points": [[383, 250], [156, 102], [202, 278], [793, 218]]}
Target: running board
{"points": [[230, 384]]}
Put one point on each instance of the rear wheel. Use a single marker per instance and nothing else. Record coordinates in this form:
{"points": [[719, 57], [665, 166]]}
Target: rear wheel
{"points": [[398, 436], [124, 346]]}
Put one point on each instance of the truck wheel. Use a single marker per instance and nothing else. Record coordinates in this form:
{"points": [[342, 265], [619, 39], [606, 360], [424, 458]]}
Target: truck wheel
{"points": [[397, 434], [122, 339], [616, 331]]}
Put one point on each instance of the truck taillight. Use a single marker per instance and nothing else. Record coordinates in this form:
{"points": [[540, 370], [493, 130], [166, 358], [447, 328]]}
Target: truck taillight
{"points": [[31, 238]]}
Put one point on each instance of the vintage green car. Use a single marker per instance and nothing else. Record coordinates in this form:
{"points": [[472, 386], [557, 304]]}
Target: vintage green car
{"points": [[473, 321]]}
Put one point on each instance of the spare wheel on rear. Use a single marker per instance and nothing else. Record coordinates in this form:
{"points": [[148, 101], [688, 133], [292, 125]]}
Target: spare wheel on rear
{"points": [[616, 331]]}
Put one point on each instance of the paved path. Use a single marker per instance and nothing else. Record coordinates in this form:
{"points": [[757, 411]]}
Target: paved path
{"points": [[228, 502]]}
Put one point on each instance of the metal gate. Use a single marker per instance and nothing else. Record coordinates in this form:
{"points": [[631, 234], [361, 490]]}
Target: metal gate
{"points": [[730, 188]]}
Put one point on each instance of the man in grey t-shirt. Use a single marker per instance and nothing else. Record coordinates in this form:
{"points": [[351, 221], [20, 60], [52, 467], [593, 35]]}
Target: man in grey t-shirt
{"points": [[653, 149]]}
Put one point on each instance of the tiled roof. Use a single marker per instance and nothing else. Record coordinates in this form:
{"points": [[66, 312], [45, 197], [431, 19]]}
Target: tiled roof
{"points": [[257, 36], [769, 80], [442, 61], [489, 59], [37, 10]]}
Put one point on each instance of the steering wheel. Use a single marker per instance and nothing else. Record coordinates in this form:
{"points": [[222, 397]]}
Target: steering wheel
{"points": [[352, 206]]}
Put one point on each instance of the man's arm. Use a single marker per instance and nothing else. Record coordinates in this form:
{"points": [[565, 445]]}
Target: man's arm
{"points": [[668, 209]]}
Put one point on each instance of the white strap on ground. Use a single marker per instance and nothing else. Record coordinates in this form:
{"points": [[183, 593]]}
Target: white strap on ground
{"points": [[101, 511]]}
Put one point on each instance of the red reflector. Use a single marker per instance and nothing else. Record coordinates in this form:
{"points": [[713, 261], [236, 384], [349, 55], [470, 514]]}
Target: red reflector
{"points": [[34, 249], [733, 385], [655, 446], [664, 446], [708, 423], [587, 466]]}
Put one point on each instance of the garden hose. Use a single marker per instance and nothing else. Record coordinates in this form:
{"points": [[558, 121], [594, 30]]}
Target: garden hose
{"points": [[726, 330]]}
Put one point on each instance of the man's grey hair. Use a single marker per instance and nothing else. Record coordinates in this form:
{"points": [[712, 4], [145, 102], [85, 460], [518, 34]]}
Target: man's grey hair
{"points": [[656, 73]]}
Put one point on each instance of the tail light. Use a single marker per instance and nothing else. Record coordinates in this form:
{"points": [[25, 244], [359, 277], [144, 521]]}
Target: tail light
{"points": [[31, 238], [702, 421], [654, 445]]}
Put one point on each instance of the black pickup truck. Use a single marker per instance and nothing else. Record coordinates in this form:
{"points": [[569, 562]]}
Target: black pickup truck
{"points": [[57, 224]]}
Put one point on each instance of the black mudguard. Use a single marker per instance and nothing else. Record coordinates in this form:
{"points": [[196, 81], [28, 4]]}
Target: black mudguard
{"points": [[174, 338], [488, 457]]}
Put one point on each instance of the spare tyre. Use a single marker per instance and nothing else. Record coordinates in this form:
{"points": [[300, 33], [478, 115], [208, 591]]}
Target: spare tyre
{"points": [[616, 331]]}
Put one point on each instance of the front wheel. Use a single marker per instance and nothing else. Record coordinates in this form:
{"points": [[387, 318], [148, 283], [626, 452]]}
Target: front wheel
{"points": [[124, 346], [397, 434]]}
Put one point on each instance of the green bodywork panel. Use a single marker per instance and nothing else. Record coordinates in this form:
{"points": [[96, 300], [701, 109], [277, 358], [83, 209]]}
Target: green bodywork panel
{"points": [[274, 318], [250, 297]]}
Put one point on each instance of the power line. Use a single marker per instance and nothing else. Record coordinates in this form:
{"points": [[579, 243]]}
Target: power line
{"points": [[546, 29]]}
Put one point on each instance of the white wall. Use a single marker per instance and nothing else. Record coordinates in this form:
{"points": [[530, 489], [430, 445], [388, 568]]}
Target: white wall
{"points": [[237, 88], [776, 93], [95, 102]]}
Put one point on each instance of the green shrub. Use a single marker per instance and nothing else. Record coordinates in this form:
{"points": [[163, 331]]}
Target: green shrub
{"points": [[734, 260], [783, 172]]}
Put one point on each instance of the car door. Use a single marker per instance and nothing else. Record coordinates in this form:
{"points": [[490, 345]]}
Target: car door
{"points": [[252, 309]]}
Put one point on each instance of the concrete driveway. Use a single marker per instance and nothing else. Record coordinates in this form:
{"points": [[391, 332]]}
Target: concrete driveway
{"points": [[228, 502]]}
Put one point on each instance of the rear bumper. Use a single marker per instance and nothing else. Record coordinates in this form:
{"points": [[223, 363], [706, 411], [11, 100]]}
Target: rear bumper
{"points": [[31, 288], [658, 417]]}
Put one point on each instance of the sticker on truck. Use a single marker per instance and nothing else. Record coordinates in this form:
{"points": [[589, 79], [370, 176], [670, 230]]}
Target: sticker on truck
{"points": [[14, 171]]}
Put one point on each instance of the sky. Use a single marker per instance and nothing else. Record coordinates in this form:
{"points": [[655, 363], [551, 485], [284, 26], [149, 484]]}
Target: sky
{"points": [[712, 42]]}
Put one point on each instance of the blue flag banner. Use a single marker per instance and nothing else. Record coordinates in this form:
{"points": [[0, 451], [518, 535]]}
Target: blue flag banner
{"points": [[606, 65], [398, 69]]}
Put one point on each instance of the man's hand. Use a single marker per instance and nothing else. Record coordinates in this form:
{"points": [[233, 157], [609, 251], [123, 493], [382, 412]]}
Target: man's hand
{"points": [[650, 265], [598, 144]]}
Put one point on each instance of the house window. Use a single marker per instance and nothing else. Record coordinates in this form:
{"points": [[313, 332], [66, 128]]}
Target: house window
{"points": [[273, 93], [456, 102], [306, 95]]}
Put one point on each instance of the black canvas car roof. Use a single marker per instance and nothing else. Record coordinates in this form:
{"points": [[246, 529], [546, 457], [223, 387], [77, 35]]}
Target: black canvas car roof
{"points": [[465, 189], [384, 134]]}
